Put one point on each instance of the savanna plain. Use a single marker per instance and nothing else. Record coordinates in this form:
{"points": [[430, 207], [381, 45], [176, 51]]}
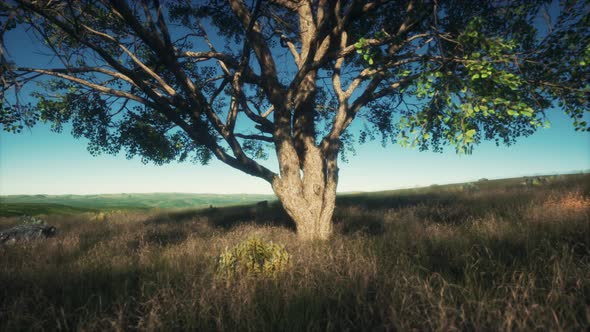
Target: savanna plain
{"points": [[509, 255]]}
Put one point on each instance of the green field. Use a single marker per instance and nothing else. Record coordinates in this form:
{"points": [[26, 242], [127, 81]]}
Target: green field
{"points": [[484, 256], [15, 205]]}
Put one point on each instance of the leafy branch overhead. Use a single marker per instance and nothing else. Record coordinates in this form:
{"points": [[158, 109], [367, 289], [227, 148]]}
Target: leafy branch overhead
{"points": [[192, 80]]}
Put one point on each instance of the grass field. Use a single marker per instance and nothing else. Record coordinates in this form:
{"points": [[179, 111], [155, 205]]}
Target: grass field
{"points": [[16, 205], [490, 255]]}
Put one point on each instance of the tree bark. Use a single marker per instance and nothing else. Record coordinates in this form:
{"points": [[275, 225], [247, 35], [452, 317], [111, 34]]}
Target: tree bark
{"points": [[309, 194]]}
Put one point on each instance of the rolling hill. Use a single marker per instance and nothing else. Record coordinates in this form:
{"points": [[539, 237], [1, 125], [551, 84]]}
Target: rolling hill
{"points": [[67, 204], [15, 205]]}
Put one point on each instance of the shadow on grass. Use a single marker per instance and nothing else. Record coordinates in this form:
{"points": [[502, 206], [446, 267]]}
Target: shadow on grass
{"points": [[273, 214], [446, 204], [227, 218], [56, 298], [390, 201]]}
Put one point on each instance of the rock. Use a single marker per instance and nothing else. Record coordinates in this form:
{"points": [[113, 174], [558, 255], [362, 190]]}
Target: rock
{"points": [[27, 233]]}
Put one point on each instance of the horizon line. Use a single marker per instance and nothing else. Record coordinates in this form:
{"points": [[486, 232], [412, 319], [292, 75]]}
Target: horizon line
{"points": [[584, 171]]}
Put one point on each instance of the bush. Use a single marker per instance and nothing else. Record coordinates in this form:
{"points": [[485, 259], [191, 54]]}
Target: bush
{"points": [[30, 220], [253, 257]]}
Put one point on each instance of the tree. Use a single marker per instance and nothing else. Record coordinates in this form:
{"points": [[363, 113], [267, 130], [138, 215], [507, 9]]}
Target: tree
{"points": [[191, 80]]}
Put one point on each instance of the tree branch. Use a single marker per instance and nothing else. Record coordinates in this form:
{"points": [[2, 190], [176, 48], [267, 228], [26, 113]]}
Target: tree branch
{"points": [[94, 86], [120, 8], [255, 137], [248, 75], [167, 88], [270, 84], [222, 64], [287, 4]]}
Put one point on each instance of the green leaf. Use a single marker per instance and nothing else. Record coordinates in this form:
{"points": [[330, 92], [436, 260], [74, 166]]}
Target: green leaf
{"points": [[470, 133]]}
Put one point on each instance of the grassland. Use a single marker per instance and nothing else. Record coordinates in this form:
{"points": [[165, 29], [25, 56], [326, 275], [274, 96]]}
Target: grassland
{"points": [[493, 255], [15, 205]]}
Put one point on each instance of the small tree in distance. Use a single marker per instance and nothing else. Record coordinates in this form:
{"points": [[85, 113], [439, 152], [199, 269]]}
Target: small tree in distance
{"points": [[191, 80]]}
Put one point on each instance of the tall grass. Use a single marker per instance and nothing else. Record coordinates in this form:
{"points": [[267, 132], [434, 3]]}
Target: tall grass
{"points": [[495, 258]]}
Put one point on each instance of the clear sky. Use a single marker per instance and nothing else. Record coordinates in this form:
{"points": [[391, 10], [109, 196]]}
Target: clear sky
{"points": [[38, 161]]}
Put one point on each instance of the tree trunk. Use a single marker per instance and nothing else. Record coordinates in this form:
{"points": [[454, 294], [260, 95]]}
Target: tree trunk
{"points": [[309, 194], [312, 215]]}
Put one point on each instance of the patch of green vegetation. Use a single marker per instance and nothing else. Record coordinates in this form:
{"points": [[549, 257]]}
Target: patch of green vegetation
{"points": [[19, 209], [109, 202], [253, 258]]}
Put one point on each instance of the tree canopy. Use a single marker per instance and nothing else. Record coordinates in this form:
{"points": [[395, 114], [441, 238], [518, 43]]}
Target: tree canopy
{"points": [[236, 79]]}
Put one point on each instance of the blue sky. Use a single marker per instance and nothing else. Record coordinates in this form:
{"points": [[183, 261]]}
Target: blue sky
{"points": [[38, 161]]}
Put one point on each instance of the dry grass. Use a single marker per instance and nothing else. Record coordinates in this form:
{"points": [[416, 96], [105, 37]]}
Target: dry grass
{"points": [[499, 259]]}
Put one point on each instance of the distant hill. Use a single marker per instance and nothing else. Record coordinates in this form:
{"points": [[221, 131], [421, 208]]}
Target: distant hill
{"points": [[32, 209], [67, 204], [447, 191], [15, 205]]}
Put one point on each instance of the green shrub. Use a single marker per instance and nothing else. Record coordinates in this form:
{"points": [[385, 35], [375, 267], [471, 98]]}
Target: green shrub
{"points": [[30, 220], [253, 257]]}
